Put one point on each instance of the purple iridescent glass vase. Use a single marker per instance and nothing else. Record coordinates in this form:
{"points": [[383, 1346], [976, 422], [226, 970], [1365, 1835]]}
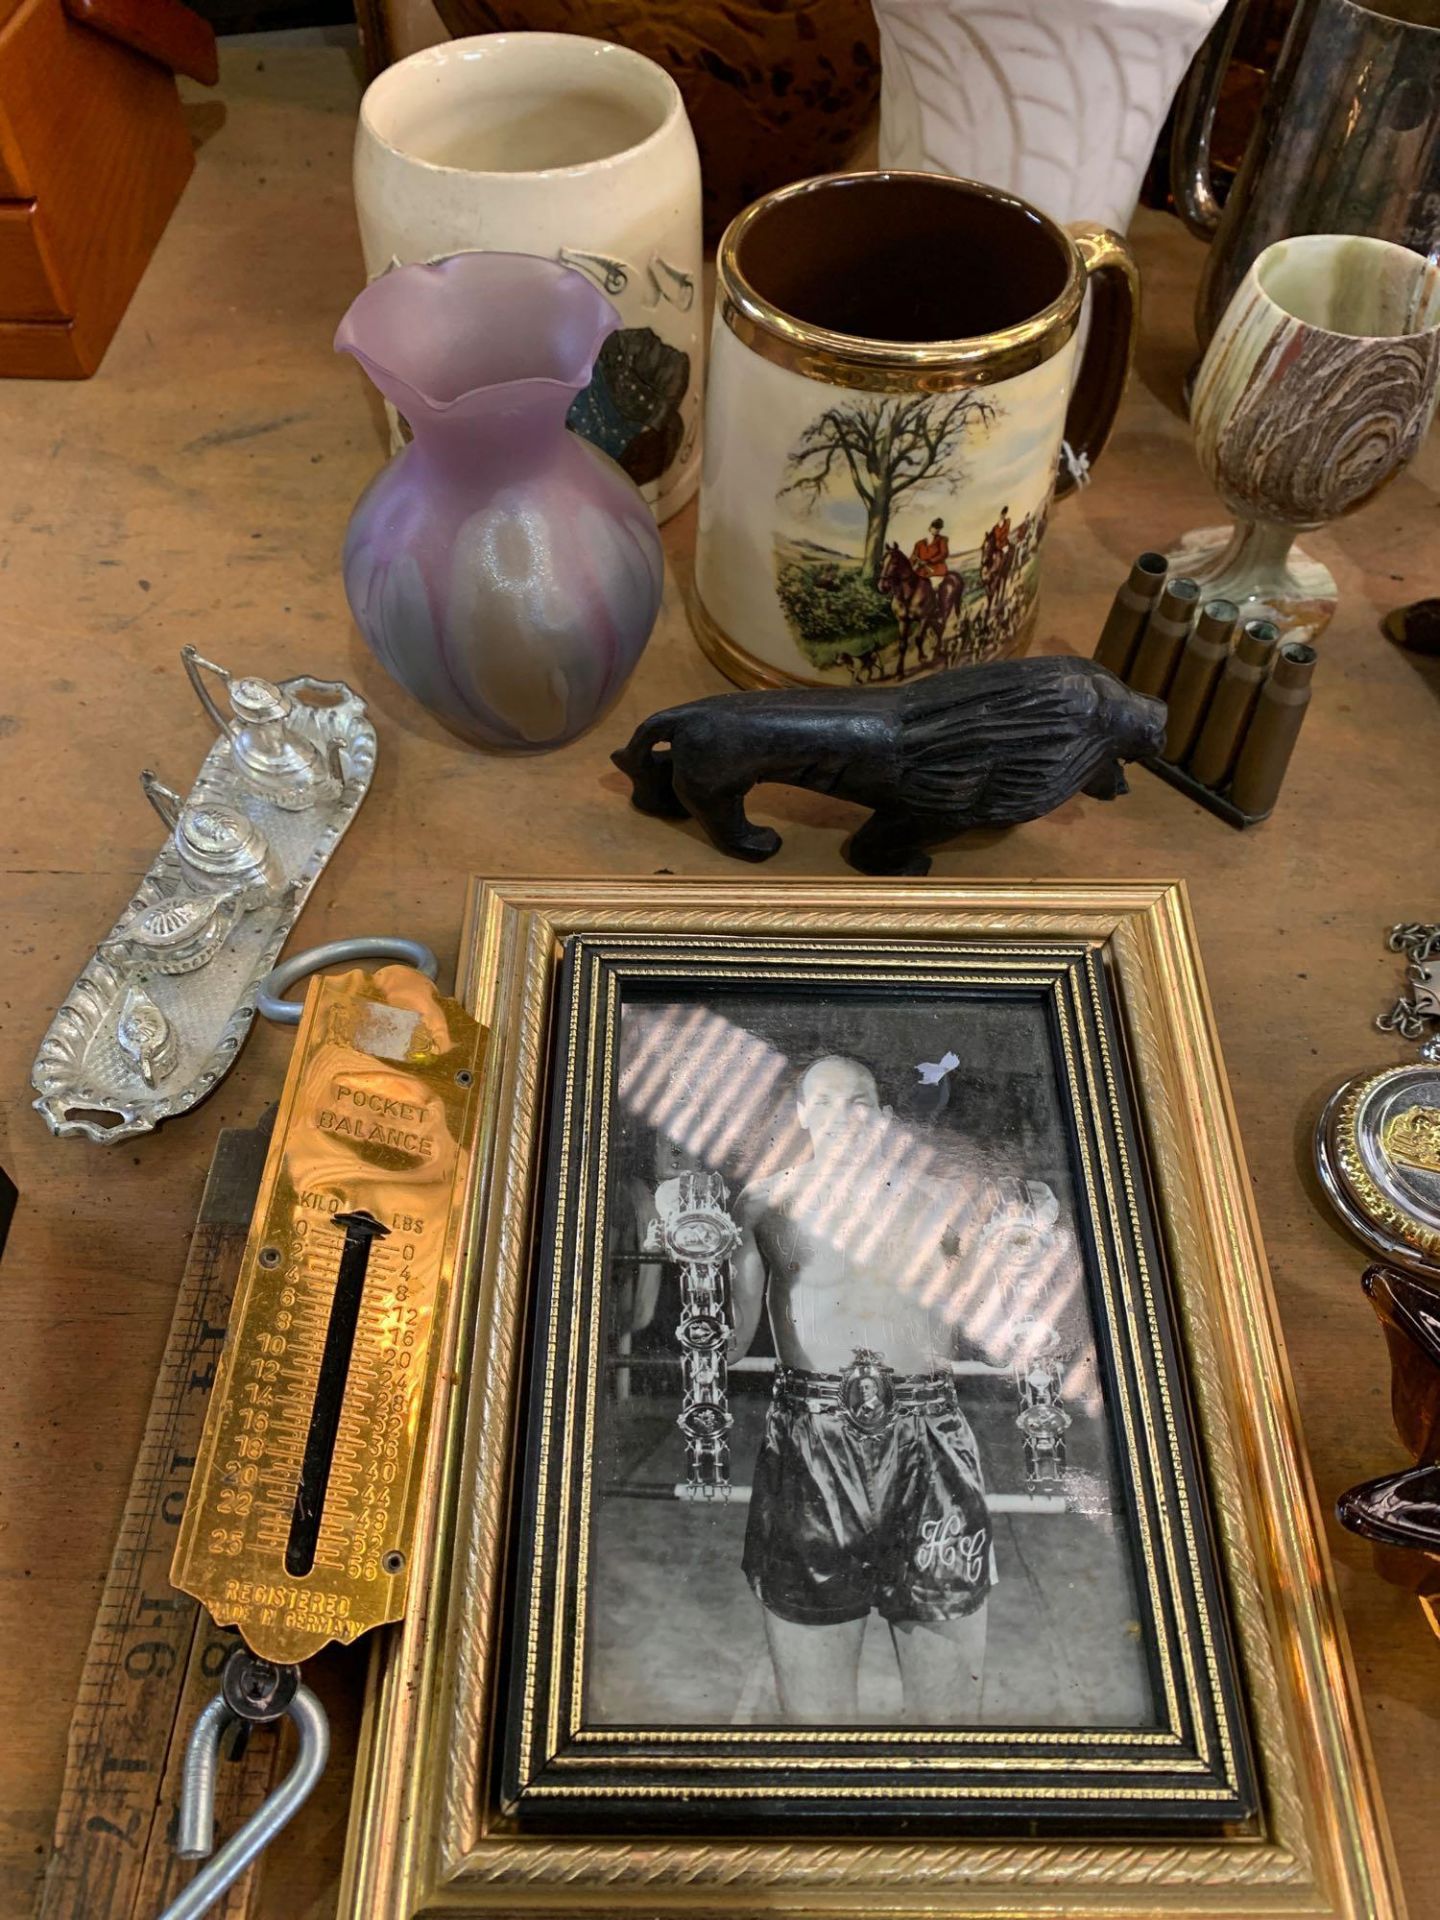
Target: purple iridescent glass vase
{"points": [[504, 570]]}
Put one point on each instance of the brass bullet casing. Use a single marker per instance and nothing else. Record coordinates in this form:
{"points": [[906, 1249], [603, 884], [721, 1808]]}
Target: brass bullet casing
{"points": [[1200, 667], [1223, 727], [1129, 611], [1164, 637], [1274, 729]]}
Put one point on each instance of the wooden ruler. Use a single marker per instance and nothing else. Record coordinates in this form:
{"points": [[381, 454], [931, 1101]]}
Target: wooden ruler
{"points": [[155, 1655]]}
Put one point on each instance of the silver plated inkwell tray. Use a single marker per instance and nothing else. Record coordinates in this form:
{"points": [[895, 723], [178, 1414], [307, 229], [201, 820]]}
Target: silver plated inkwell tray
{"points": [[163, 1007]]}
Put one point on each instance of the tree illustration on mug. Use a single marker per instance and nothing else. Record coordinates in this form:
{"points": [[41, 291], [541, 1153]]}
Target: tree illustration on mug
{"points": [[870, 578], [887, 447]]}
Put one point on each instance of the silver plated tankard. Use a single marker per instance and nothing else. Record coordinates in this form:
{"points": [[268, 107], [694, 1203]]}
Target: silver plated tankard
{"points": [[1347, 140]]}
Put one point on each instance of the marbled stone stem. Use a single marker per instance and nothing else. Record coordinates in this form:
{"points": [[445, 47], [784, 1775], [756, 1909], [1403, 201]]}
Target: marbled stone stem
{"points": [[1256, 564]]}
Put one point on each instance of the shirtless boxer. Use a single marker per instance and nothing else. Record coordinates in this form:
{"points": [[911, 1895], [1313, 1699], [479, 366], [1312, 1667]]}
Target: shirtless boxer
{"points": [[868, 1491]]}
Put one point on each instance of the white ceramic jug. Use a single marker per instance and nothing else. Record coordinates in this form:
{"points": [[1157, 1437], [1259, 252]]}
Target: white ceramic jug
{"points": [[1059, 101]]}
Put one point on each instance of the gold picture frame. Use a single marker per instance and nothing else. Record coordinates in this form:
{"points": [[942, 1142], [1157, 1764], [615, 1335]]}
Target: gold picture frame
{"points": [[428, 1834]]}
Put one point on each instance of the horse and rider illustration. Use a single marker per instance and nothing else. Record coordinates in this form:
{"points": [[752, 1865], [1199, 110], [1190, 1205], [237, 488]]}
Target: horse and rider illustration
{"points": [[943, 613], [869, 574]]}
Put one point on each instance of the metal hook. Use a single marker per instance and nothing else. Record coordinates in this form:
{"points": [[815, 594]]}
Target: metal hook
{"points": [[197, 1801]]}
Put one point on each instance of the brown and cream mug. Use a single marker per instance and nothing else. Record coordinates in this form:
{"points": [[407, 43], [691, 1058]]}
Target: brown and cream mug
{"points": [[894, 398]]}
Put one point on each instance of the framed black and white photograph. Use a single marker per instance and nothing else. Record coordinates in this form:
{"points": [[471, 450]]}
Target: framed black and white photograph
{"points": [[855, 1430], [863, 1477]]}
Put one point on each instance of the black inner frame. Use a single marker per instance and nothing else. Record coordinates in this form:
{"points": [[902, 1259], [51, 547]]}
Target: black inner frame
{"points": [[560, 1312]]}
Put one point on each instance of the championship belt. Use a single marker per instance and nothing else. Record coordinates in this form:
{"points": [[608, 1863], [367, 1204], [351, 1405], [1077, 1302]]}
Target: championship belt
{"points": [[1021, 1235], [867, 1392], [1043, 1419], [693, 1229]]}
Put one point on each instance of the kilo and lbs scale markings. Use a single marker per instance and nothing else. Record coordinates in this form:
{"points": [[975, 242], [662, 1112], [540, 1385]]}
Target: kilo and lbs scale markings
{"points": [[329, 1401], [303, 1505]]}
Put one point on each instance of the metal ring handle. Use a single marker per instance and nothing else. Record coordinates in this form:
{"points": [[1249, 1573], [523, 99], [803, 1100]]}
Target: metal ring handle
{"points": [[335, 953]]}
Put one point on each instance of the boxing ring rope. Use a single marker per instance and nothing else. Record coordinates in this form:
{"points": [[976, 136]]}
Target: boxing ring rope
{"points": [[766, 1363], [763, 1363], [681, 1490]]}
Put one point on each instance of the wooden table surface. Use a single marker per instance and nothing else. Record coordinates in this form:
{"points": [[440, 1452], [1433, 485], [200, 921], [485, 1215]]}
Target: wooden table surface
{"points": [[197, 490]]}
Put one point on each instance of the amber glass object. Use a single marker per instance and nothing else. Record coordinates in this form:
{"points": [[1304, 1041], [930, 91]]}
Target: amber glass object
{"points": [[1403, 1509]]}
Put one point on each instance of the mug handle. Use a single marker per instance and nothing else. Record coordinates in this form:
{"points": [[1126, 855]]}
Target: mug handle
{"points": [[1191, 179], [1114, 321]]}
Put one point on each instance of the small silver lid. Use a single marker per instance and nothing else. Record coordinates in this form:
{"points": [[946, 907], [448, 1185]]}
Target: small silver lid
{"points": [[145, 1037], [1377, 1148], [220, 840], [254, 700], [177, 922], [177, 934]]}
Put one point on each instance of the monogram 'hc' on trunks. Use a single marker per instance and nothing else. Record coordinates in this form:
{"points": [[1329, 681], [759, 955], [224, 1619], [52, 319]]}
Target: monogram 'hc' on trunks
{"points": [[868, 1494]]}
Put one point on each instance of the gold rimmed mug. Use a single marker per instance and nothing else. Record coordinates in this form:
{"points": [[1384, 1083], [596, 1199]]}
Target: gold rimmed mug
{"points": [[893, 391]]}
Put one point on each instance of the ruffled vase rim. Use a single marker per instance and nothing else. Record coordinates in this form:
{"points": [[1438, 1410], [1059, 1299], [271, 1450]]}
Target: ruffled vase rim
{"points": [[537, 383], [390, 378]]}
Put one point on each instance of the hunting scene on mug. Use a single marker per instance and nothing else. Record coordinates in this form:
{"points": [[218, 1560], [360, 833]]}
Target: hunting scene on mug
{"points": [[904, 588]]}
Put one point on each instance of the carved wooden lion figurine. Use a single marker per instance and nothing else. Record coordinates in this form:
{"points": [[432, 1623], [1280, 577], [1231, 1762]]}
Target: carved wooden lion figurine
{"points": [[985, 746]]}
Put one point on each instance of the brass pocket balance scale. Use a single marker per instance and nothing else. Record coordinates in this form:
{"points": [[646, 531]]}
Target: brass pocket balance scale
{"points": [[303, 1504]]}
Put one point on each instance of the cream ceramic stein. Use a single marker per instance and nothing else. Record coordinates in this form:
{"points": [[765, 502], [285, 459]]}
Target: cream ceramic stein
{"points": [[893, 376], [567, 147]]}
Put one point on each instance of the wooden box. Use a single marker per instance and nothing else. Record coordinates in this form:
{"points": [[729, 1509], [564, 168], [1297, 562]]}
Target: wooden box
{"points": [[94, 153]]}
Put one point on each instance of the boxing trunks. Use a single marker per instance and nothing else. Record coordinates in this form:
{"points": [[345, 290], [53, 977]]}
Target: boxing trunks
{"points": [[867, 1494]]}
